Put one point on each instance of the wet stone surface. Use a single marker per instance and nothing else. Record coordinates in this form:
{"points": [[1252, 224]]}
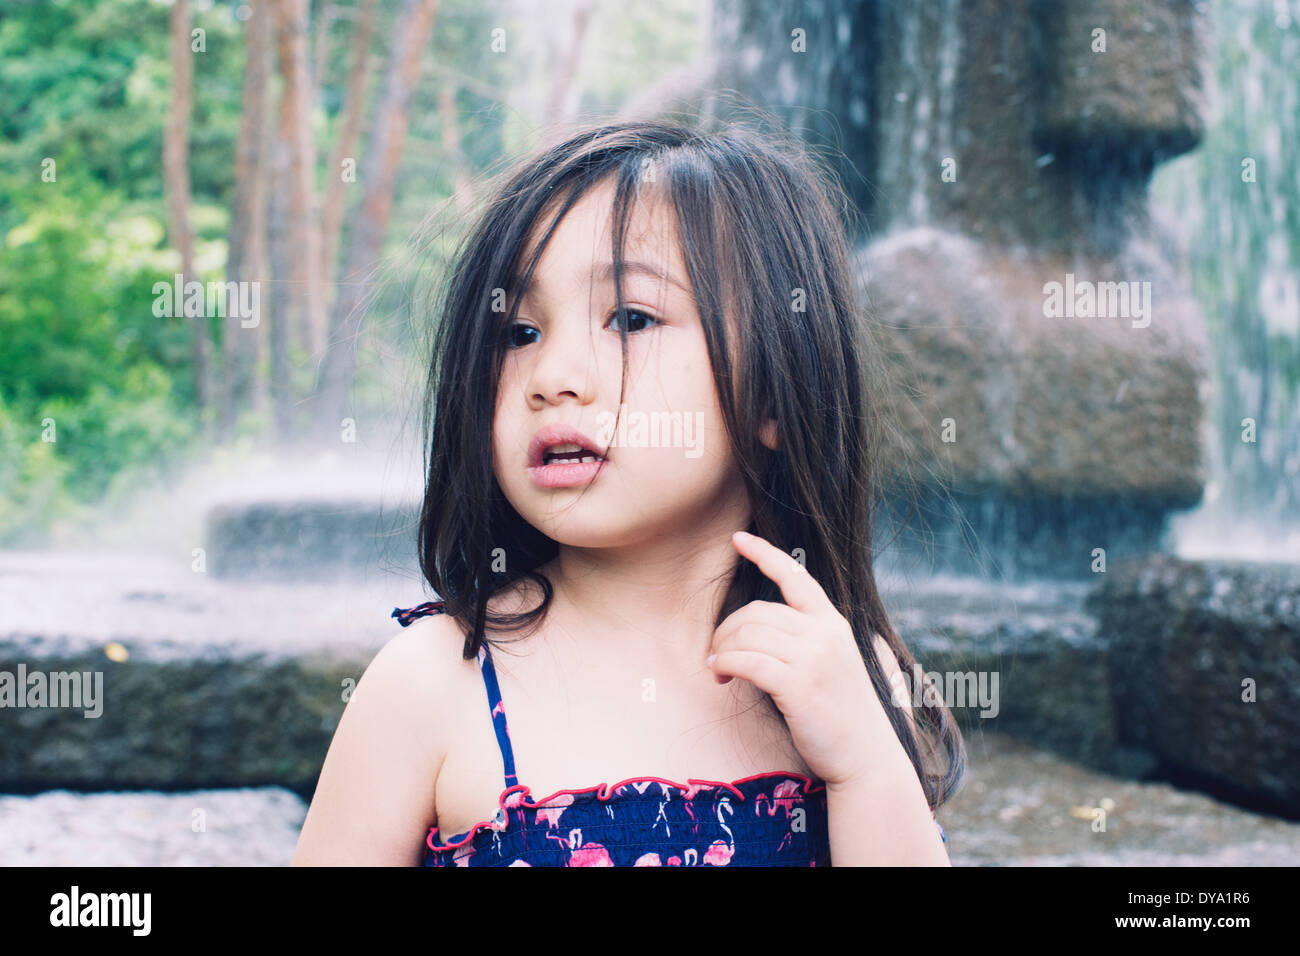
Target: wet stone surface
{"points": [[248, 827], [1024, 807], [1014, 810]]}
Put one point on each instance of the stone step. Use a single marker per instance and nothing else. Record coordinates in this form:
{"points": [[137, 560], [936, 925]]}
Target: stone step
{"points": [[241, 683], [205, 683], [243, 827], [1019, 807], [216, 683], [312, 540]]}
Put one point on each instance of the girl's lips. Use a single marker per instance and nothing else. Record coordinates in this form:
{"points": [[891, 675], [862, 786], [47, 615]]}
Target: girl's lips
{"points": [[554, 434], [565, 475]]}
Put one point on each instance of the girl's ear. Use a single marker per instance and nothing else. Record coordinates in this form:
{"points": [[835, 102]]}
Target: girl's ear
{"points": [[767, 434]]}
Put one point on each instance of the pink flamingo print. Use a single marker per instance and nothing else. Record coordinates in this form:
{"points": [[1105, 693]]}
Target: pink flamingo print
{"points": [[593, 854], [721, 851], [461, 855], [583, 854], [784, 796], [719, 854], [553, 809]]}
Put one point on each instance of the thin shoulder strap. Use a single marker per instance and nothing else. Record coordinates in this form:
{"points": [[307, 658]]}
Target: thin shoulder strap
{"points": [[498, 714], [405, 617], [498, 710]]}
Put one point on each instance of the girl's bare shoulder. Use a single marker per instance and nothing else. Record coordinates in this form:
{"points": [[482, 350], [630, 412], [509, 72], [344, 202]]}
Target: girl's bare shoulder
{"points": [[425, 662], [374, 800], [424, 665]]}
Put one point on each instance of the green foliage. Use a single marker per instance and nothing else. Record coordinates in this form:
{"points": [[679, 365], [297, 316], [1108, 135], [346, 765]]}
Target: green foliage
{"points": [[33, 480], [82, 358], [115, 425], [87, 86]]}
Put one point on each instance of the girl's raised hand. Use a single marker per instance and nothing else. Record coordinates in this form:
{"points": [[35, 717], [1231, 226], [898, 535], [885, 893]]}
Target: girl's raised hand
{"points": [[803, 654]]}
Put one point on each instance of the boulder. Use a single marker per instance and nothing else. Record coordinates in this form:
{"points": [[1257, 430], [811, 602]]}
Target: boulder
{"points": [[286, 540], [1048, 435], [205, 682], [1026, 659], [998, 119], [1204, 662], [995, 149]]}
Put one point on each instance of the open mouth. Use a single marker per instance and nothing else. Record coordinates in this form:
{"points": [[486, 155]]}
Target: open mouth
{"points": [[561, 456], [570, 454]]}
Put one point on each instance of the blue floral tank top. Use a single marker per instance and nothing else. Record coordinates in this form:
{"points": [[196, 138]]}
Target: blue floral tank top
{"points": [[768, 819]]}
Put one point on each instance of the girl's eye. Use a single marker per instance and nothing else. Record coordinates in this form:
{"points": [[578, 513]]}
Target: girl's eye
{"points": [[633, 312], [512, 334], [515, 331]]}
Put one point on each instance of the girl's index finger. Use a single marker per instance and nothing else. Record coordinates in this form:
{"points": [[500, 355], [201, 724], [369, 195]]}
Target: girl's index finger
{"points": [[797, 586]]}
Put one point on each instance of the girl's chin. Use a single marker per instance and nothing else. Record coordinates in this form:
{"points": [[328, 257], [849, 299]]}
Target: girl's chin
{"points": [[593, 532]]}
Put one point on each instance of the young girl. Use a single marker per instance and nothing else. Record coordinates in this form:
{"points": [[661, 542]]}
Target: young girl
{"points": [[651, 453]]}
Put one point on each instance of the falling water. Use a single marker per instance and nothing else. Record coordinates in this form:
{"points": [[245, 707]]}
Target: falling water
{"points": [[1235, 206]]}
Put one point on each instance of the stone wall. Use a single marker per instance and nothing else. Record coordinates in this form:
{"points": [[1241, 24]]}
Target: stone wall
{"points": [[995, 147]]}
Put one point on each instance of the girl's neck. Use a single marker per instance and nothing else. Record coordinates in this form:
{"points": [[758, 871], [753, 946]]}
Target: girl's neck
{"points": [[652, 602]]}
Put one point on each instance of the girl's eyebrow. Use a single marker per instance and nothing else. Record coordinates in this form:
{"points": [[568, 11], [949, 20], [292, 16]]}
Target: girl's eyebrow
{"points": [[605, 271]]}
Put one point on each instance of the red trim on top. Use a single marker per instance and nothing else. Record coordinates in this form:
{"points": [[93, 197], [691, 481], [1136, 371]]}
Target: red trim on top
{"points": [[605, 792]]}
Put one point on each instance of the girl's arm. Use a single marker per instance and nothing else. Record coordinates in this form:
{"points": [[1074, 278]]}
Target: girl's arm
{"points": [[374, 803], [892, 793], [884, 820]]}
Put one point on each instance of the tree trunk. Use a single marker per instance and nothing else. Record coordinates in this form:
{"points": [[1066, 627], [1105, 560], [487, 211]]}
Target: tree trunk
{"points": [[248, 220], [561, 105], [176, 152], [281, 301], [295, 126], [345, 145], [266, 274], [320, 50], [462, 185], [411, 34]]}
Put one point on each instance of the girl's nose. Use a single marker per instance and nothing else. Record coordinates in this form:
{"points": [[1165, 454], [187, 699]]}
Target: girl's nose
{"points": [[564, 367]]}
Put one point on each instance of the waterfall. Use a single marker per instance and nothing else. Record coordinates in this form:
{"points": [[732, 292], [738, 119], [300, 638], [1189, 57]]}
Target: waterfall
{"points": [[1234, 204]]}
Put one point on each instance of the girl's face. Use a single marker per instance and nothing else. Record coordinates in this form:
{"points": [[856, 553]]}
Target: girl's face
{"points": [[669, 474]]}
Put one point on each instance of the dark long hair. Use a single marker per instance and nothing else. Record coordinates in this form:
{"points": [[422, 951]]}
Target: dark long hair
{"points": [[762, 230]]}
